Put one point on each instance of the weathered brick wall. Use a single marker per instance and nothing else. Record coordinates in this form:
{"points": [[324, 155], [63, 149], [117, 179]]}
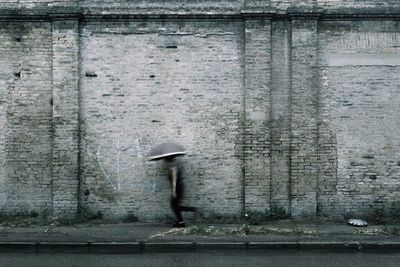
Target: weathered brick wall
{"points": [[65, 117], [161, 7], [144, 83], [26, 116], [359, 116], [184, 7], [280, 114], [304, 109], [257, 148], [32, 4], [235, 6], [279, 105], [354, 5]]}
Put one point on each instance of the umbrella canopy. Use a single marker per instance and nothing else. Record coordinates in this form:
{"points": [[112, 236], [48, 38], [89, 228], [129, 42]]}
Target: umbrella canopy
{"points": [[166, 150]]}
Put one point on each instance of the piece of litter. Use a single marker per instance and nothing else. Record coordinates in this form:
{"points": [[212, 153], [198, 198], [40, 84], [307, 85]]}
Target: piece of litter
{"points": [[357, 222]]}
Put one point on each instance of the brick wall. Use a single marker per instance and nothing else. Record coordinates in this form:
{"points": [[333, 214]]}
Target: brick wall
{"points": [[358, 4], [65, 116], [304, 112], [288, 104], [257, 147], [33, 4], [280, 114], [26, 115], [182, 7], [144, 83], [359, 144]]}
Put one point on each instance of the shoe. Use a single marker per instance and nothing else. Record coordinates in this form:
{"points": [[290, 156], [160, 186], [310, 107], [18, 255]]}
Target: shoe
{"points": [[179, 224]]}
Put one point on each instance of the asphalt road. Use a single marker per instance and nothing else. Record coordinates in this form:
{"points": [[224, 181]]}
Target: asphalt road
{"points": [[247, 259]]}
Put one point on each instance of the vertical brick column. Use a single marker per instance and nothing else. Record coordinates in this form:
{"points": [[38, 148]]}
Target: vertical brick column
{"points": [[257, 114], [304, 138], [65, 116], [280, 115]]}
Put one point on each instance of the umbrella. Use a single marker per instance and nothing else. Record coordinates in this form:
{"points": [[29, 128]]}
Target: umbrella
{"points": [[166, 150]]}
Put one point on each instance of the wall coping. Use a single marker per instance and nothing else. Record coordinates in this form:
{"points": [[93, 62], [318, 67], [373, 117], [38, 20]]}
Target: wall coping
{"points": [[65, 13]]}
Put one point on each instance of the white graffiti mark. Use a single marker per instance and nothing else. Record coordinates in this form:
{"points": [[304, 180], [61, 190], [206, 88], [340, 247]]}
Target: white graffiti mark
{"points": [[103, 169], [114, 170], [117, 161], [138, 149]]}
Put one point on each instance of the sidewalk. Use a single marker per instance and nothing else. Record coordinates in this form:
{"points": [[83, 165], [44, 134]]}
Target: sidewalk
{"points": [[139, 237]]}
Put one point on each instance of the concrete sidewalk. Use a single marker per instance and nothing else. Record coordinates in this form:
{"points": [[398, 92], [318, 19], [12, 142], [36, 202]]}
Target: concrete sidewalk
{"points": [[139, 237]]}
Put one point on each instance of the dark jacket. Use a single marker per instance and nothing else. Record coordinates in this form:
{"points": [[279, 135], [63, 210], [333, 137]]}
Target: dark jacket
{"points": [[179, 182]]}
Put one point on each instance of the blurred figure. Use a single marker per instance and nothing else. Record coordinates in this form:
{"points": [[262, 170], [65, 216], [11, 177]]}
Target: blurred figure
{"points": [[175, 176]]}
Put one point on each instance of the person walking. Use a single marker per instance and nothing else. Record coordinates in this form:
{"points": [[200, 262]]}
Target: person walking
{"points": [[175, 177], [168, 152]]}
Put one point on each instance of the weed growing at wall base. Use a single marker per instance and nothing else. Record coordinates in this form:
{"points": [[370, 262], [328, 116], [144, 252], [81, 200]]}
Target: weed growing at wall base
{"points": [[237, 230], [394, 211], [130, 218], [24, 218], [257, 217], [84, 215], [391, 230]]}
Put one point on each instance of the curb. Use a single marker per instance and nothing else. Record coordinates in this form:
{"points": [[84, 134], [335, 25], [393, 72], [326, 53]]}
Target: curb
{"points": [[380, 246], [329, 246], [188, 247], [18, 247], [154, 247], [115, 247], [64, 247], [214, 246], [265, 246]]}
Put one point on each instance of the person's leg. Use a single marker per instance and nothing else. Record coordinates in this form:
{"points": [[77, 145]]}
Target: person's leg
{"points": [[177, 210]]}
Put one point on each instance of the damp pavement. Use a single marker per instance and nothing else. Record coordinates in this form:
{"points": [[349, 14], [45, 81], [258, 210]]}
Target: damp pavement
{"points": [[199, 237]]}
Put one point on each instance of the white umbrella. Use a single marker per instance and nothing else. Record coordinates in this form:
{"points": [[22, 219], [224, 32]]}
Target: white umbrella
{"points": [[166, 150]]}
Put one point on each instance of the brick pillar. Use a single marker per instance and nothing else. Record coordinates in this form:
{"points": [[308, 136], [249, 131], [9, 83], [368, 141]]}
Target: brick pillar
{"points": [[257, 114], [280, 115], [304, 137], [65, 116]]}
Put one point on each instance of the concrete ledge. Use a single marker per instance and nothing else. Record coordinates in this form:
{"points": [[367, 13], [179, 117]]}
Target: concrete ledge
{"points": [[380, 246], [273, 246], [115, 247], [160, 247], [205, 246], [328, 246], [18, 247], [169, 247], [64, 247]]}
